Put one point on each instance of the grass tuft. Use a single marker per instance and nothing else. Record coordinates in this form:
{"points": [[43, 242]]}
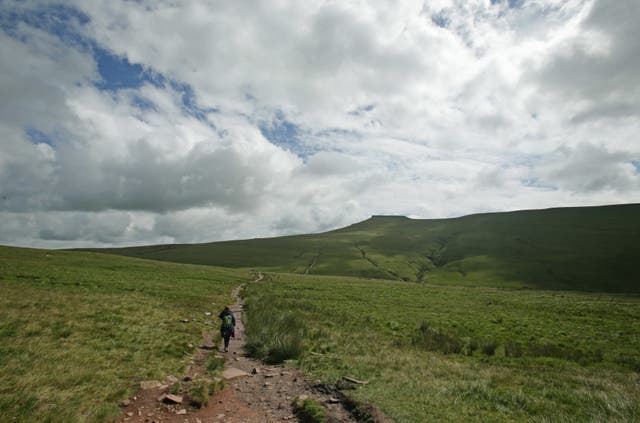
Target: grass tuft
{"points": [[489, 347], [273, 333], [309, 410], [437, 340], [513, 349], [214, 364], [200, 390]]}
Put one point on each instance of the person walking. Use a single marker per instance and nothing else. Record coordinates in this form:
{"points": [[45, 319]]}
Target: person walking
{"points": [[228, 326]]}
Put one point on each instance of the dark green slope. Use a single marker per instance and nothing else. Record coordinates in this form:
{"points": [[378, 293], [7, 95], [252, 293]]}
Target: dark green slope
{"points": [[584, 248]]}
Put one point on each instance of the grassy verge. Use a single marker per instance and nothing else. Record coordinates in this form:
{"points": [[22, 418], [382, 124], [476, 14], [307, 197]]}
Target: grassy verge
{"points": [[437, 353], [78, 331]]}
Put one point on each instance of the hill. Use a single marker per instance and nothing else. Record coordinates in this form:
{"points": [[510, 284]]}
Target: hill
{"points": [[582, 248]]}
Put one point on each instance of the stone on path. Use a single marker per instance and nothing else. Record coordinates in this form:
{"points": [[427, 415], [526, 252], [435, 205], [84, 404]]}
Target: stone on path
{"points": [[171, 379], [170, 399], [232, 373], [150, 384]]}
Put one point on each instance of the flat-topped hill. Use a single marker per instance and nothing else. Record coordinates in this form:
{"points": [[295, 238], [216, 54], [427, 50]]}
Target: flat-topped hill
{"points": [[581, 248]]}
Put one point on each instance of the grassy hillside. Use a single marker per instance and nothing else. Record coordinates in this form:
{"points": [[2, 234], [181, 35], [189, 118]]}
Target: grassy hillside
{"points": [[586, 248], [435, 353], [79, 331]]}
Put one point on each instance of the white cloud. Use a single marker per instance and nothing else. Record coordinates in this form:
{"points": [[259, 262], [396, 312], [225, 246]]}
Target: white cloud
{"points": [[429, 109]]}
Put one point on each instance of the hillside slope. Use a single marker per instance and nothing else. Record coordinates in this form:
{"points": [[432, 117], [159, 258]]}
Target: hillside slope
{"points": [[584, 248]]}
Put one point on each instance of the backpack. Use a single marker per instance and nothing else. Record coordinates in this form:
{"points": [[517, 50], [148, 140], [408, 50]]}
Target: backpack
{"points": [[227, 322]]}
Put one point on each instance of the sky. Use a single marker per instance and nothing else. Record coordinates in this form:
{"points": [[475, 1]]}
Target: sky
{"points": [[166, 121]]}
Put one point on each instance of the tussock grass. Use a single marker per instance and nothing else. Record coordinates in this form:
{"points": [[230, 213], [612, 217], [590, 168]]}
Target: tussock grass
{"points": [[79, 331], [200, 390], [437, 340], [309, 410], [214, 364], [274, 334], [374, 331]]}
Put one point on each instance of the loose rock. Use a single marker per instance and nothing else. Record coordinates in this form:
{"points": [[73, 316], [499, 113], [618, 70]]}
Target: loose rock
{"points": [[172, 399], [232, 373], [150, 384]]}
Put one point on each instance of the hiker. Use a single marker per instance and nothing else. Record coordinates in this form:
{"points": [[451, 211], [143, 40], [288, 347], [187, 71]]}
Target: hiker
{"points": [[228, 326]]}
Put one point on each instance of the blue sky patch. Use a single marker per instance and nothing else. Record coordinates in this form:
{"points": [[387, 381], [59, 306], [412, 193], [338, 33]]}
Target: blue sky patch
{"points": [[117, 72], [59, 20], [190, 103], [36, 136], [143, 103], [536, 183], [636, 164], [285, 134]]}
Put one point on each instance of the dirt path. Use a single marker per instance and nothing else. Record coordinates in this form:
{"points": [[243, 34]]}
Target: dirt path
{"points": [[253, 393]]}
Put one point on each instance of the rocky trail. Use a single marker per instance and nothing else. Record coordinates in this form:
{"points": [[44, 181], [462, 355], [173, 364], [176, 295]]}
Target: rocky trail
{"points": [[253, 392]]}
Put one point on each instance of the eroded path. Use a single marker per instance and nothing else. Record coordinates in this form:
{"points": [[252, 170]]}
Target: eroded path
{"points": [[253, 393]]}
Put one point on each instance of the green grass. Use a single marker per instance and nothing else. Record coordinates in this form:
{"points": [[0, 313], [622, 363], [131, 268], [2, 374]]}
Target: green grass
{"points": [[585, 248], [79, 331], [582, 366], [309, 410]]}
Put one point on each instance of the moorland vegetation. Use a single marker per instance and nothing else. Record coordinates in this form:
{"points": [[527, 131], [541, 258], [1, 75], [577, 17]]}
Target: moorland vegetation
{"points": [[445, 353], [580, 248], [80, 331], [530, 315]]}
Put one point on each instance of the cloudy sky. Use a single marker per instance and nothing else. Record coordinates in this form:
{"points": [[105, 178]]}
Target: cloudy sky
{"points": [[140, 122]]}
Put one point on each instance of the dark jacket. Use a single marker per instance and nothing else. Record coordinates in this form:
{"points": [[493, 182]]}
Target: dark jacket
{"points": [[226, 312]]}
